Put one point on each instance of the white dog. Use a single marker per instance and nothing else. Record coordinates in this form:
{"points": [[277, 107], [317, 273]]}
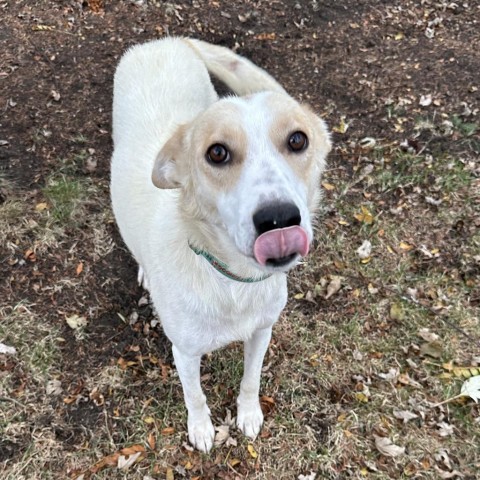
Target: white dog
{"points": [[214, 198]]}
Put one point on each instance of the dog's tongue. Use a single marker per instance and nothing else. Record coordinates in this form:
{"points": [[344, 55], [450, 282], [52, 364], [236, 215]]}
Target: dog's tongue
{"points": [[280, 243]]}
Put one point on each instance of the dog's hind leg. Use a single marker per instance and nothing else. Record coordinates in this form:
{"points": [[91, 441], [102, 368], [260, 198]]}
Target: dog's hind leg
{"points": [[200, 428], [249, 415]]}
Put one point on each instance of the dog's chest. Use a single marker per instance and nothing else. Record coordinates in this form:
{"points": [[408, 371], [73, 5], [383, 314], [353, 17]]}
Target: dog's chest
{"points": [[212, 318]]}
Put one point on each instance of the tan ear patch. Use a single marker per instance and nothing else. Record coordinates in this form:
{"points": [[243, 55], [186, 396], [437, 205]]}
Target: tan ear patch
{"points": [[165, 174]]}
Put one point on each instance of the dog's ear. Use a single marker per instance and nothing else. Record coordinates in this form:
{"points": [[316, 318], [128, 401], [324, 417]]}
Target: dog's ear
{"points": [[165, 173]]}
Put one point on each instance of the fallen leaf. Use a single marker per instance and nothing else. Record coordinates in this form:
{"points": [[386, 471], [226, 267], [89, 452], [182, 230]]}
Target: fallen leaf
{"points": [[267, 404], [361, 397], [55, 95], [447, 475], [364, 250], [54, 387], [397, 312], [445, 429], [252, 451], [391, 376], [427, 335], [465, 372], [223, 432], [425, 100], [404, 415], [79, 268], [169, 475], [109, 461], [342, 127], [406, 246], [364, 216], [168, 431], [265, 36], [367, 143], [151, 441], [432, 349], [405, 379], [40, 207], [125, 463], [386, 447], [334, 286], [30, 255], [328, 186], [471, 388], [133, 449], [76, 322], [124, 364]]}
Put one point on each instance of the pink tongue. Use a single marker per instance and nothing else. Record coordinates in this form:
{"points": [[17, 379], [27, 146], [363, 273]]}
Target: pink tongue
{"points": [[280, 243]]}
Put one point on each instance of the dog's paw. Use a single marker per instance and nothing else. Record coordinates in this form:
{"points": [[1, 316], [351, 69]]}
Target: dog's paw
{"points": [[201, 432], [250, 418]]}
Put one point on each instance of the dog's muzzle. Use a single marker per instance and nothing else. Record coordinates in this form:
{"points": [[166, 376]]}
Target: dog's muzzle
{"points": [[281, 238]]}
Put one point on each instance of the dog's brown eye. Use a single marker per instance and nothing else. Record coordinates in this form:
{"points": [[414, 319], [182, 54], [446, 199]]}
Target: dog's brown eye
{"points": [[297, 142], [218, 154]]}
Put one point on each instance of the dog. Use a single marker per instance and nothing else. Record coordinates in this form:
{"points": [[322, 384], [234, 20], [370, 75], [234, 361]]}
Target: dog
{"points": [[215, 200]]}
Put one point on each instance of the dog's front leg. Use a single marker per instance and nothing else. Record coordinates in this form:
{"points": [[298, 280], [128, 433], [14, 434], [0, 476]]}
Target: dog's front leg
{"points": [[249, 415], [200, 428]]}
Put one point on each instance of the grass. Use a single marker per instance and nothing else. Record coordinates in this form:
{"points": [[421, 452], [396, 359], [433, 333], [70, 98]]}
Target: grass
{"points": [[325, 369], [66, 196]]}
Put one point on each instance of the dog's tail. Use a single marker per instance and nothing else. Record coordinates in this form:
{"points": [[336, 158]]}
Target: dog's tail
{"points": [[239, 74]]}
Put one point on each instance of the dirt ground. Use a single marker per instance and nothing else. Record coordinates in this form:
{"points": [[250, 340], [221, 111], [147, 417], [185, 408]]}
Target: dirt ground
{"points": [[92, 381]]}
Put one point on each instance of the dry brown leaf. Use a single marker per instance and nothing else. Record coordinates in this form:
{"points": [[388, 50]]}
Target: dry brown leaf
{"points": [[133, 449], [151, 441], [267, 404], [432, 349], [334, 286], [222, 435], [265, 36], [79, 269], [427, 335], [386, 447], [404, 415], [364, 216]]}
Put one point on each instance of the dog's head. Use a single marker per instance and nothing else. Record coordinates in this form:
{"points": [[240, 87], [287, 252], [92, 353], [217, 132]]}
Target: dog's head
{"points": [[251, 167]]}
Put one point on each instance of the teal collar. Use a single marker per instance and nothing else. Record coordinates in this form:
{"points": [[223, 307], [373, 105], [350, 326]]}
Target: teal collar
{"points": [[223, 268]]}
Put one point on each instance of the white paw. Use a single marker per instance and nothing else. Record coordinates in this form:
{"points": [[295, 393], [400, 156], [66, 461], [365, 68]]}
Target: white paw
{"points": [[201, 432], [249, 418]]}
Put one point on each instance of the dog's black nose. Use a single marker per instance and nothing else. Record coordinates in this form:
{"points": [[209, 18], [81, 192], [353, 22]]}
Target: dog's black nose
{"points": [[278, 215]]}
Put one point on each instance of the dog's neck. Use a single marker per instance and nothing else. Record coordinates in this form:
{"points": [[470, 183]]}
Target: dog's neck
{"points": [[224, 269], [208, 241]]}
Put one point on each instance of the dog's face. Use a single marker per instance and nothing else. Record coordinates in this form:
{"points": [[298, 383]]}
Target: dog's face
{"points": [[251, 166]]}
